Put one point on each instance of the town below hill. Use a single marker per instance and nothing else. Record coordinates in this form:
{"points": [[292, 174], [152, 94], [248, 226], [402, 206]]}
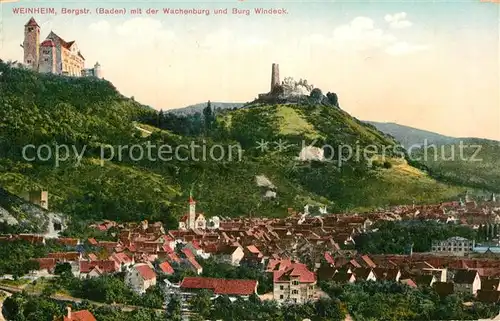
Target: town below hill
{"points": [[302, 266]]}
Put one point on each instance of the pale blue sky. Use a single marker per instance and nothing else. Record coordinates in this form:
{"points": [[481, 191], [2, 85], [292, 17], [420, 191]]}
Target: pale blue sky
{"points": [[427, 64]]}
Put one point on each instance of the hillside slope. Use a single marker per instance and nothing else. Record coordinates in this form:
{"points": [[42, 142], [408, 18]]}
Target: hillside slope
{"points": [[478, 167], [410, 136], [89, 113]]}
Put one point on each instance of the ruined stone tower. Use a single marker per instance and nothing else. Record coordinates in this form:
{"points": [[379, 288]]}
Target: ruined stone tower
{"points": [[31, 44], [275, 76]]}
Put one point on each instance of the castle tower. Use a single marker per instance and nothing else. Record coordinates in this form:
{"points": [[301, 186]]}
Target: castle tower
{"points": [[97, 70], [275, 76], [31, 44], [48, 62], [192, 212]]}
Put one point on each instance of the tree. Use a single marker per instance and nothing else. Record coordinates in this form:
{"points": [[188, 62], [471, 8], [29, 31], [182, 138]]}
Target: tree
{"points": [[208, 117], [62, 269], [174, 308], [316, 95], [333, 99], [201, 303]]}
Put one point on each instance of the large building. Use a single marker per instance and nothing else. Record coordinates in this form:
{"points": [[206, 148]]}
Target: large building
{"points": [[54, 55], [458, 246]]}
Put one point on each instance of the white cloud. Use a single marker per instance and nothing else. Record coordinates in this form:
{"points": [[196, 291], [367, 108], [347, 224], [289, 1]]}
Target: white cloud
{"points": [[398, 20], [100, 26], [402, 48], [360, 34]]}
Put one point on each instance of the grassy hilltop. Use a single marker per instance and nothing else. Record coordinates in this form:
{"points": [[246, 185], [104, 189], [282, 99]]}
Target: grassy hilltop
{"points": [[85, 112]]}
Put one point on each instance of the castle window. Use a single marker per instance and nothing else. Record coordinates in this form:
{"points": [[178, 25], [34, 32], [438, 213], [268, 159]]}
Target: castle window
{"points": [[295, 292], [30, 29], [28, 61], [46, 59]]}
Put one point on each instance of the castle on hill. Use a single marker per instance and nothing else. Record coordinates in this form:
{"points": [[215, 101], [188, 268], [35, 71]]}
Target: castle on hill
{"points": [[54, 54], [287, 89]]}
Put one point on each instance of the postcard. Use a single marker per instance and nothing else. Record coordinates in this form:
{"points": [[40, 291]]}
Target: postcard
{"points": [[249, 160]]}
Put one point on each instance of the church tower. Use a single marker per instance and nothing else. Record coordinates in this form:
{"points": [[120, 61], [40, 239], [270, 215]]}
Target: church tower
{"points": [[31, 44], [192, 212], [275, 76]]}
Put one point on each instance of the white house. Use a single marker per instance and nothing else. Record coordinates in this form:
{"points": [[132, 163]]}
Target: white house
{"points": [[140, 277], [231, 254], [213, 223], [467, 281]]}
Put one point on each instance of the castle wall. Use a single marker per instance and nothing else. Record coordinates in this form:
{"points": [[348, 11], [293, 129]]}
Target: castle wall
{"points": [[48, 61]]}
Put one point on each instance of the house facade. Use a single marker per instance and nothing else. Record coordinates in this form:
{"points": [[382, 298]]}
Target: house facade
{"points": [[140, 277], [457, 246], [294, 284]]}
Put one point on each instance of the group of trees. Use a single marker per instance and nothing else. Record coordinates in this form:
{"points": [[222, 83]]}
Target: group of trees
{"points": [[17, 256], [23, 307], [106, 289], [396, 237], [393, 301], [187, 125], [222, 308]]}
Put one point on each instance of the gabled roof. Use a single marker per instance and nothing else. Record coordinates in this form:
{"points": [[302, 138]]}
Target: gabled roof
{"points": [[488, 296], [465, 276], [489, 284], [83, 315], [165, 267], [145, 271], [220, 286], [52, 35], [296, 270], [32, 23], [443, 288]]}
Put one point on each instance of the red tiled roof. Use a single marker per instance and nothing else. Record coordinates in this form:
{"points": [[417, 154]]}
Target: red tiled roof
{"points": [[409, 282], [92, 241], [221, 286], [187, 252], [295, 270], [145, 271], [48, 43], [253, 249], [108, 266], [83, 315], [194, 263], [67, 256], [329, 258], [46, 263], [166, 268]]}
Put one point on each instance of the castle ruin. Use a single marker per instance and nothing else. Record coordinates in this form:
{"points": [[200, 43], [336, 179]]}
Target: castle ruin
{"points": [[288, 89]]}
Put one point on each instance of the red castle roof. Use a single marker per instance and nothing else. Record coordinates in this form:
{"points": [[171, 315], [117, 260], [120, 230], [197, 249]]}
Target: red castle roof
{"points": [[32, 23]]}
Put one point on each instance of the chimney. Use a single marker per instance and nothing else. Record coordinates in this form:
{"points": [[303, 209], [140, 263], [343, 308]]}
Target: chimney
{"points": [[69, 312]]}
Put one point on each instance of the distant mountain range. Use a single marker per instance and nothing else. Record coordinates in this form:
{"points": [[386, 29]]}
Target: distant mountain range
{"points": [[409, 136]]}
